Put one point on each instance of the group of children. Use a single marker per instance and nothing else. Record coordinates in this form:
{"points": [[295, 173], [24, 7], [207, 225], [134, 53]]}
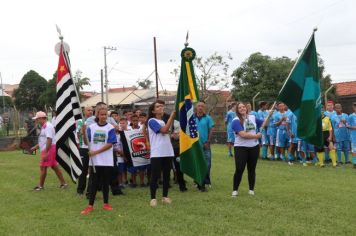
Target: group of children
{"points": [[108, 152], [279, 139]]}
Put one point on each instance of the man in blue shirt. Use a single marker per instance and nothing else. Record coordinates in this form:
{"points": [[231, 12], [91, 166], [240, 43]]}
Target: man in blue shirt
{"points": [[329, 109], [262, 114], [205, 128], [352, 128], [339, 123], [230, 115]]}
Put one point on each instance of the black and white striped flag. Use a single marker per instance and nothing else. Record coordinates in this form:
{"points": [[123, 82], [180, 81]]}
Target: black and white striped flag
{"points": [[68, 112]]}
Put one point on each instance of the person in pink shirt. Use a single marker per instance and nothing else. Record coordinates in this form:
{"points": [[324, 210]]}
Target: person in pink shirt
{"points": [[47, 146]]}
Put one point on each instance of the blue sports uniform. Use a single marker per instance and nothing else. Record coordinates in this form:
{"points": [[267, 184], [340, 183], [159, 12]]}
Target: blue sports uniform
{"points": [[341, 135], [282, 137], [329, 114], [230, 115], [293, 128], [262, 115], [271, 130], [352, 122]]}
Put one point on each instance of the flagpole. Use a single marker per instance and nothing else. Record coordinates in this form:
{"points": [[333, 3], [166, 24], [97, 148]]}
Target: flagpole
{"points": [[75, 89], [290, 73]]}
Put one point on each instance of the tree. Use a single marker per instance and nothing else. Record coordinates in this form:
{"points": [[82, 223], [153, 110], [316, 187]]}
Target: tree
{"points": [[144, 84], [210, 72], [5, 100], [80, 82], [29, 91], [260, 73], [49, 96]]}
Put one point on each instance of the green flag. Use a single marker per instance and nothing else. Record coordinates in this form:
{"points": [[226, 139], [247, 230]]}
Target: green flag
{"points": [[301, 93], [192, 161]]}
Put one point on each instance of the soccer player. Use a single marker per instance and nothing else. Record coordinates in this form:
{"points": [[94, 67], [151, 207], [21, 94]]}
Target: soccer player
{"points": [[292, 132], [352, 129], [230, 115], [271, 134], [339, 123], [282, 124], [329, 109], [306, 150], [328, 146], [262, 115]]}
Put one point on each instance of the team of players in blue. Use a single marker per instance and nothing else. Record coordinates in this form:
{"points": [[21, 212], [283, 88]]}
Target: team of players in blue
{"points": [[280, 137]]}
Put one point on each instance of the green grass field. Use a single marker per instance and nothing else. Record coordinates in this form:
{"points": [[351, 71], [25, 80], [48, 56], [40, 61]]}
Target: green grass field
{"points": [[289, 200]]}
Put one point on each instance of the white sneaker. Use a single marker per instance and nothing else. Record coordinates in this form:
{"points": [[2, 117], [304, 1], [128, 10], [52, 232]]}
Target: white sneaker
{"points": [[251, 192], [290, 163], [166, 200], [153, 203], [234, 194], [305, 164]]}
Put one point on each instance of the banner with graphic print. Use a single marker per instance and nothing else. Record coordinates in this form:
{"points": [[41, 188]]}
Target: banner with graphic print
{"points": [[136, 142]]}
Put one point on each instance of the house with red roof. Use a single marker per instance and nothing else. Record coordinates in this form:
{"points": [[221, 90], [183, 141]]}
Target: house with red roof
{"points": [[346, 92]]}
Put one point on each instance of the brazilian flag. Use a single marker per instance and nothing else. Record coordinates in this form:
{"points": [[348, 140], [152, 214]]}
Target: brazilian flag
{"points": [[301, 93], [192, 161]]}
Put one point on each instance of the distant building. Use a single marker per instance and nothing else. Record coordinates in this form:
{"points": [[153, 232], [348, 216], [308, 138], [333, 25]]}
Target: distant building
{"points": [[346, 92], [10, 88]]}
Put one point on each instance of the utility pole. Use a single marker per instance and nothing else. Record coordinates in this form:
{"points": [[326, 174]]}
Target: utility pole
{"points": [[102, 84], [156, 72], [2, 93], [106, 73]]}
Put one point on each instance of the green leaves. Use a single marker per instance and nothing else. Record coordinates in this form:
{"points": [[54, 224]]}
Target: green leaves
{"points": [[29, 91], [260, 73]]}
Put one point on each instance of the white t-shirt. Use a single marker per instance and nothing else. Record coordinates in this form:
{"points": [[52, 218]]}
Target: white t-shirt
{"points": [[98, 137], [47, 131], [118, 147], [54, 121], [161, 145], [251, 124]]}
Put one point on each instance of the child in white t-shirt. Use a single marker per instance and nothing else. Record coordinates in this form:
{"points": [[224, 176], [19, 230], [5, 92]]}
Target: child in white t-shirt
{"points": [[161, 150], [47, 146], [101, 137]]}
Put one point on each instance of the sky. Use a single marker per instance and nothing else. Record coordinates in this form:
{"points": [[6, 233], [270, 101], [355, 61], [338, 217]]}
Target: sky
{"points": [[273, 27]]}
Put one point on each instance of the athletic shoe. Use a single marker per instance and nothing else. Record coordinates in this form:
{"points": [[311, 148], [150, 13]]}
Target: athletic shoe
{"points": [[183, 189], [117, 192], [87, 210], [234, 193], [348, 162], [322, 165], [305, 164], [290, 163], [166, 200], [153, 203], [133, 185], [37, 188], [63, 186], [354, 166], [107, 207], [251, 192]]}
